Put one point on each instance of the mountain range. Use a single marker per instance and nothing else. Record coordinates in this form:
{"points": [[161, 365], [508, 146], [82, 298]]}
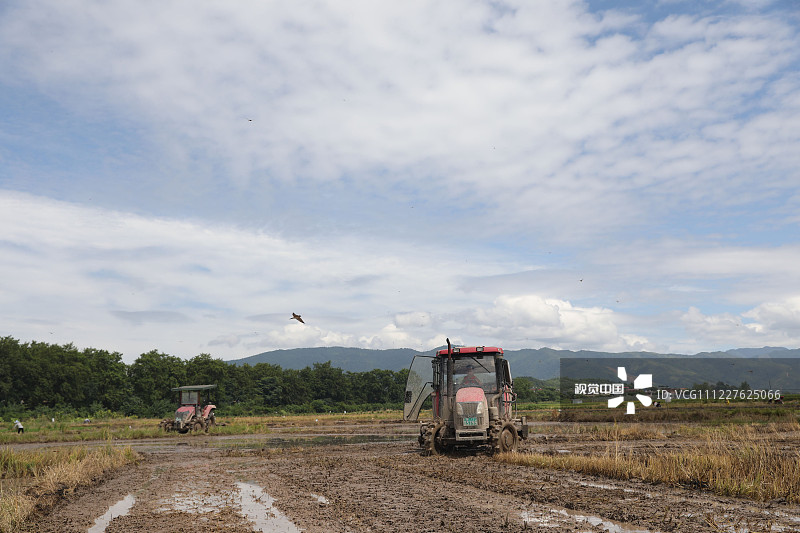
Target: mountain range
{"points": [[540, 363]]}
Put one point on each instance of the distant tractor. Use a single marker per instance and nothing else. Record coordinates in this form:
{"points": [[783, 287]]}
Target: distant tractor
{"points": [[192, 415], [473, 400]]}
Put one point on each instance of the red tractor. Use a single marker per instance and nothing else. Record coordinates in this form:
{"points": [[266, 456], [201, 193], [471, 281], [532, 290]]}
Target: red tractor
{"points": [[192, 415], [473, 400]]}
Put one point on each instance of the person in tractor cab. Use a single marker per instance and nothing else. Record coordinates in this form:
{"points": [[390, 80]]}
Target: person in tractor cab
{"points": [[470, 379]]}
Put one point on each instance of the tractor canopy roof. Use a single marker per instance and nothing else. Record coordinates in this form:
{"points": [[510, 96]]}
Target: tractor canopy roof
{"points": [[194, 387], [470, 351]]}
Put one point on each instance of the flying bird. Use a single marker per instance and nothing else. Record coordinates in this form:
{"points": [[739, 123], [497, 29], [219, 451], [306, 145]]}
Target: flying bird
{"points": [[295, 316]]}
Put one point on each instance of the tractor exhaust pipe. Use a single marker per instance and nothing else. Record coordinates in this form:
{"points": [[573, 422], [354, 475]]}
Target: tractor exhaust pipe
{"points": [[450, 373]]}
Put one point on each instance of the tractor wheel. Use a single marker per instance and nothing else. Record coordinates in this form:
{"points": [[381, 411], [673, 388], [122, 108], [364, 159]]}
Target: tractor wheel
{"points": [[424, 431], [435, 441], [198, 426], [508, 439]]}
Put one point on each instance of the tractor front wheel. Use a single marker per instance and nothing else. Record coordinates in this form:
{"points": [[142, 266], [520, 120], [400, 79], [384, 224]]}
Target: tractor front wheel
{"points": [[508, 439], [435, 443], [503, 437]]}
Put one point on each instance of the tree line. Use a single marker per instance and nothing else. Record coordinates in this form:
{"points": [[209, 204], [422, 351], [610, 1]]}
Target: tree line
{"points": [[37, 378]]}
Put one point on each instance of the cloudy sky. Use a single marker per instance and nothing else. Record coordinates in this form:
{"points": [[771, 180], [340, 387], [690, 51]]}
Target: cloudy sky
{"points": [[183, 175]]}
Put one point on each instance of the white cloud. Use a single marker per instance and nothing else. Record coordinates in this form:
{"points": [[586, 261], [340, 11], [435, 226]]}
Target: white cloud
{"points": [[736, 261], [413, 319], [768, 324], [529, 319], [294, 335], [522, 107], [389, 336], [109, 279], [123, 282], [780, 319]]}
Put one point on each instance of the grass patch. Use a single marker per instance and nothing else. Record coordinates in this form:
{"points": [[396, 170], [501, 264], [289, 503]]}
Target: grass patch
{"points": [[46, 430], [751, 464], [703, 412], [49, 475]]}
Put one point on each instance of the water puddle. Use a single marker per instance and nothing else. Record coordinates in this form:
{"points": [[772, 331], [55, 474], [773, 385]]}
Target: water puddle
{"points": [[731, 524], [612, 487], [555, 518], [120, 508], [198, 498], [257, 507], [792, 518], [598, 485], [321, 499], [728, 523]]}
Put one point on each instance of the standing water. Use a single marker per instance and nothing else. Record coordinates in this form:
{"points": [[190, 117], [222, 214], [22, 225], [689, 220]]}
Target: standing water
{"points": [[257, 507], [120, 508]]}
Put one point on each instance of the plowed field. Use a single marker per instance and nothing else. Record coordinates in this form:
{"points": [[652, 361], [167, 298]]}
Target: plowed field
{"points": [[338, 481]]}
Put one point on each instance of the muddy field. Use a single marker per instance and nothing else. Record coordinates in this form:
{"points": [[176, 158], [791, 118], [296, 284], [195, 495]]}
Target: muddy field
{"points": [[373, 478]]}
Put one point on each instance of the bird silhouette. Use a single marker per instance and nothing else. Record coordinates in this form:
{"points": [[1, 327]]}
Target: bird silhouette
{"points": [[295, 316]]}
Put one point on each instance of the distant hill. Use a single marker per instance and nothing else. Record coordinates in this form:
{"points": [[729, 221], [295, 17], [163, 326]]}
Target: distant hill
{"points": [[540, 363], [689, 372], [350, 359]]}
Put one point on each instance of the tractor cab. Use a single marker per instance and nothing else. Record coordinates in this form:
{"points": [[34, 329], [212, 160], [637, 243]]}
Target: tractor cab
{"points": [[446, 373]]}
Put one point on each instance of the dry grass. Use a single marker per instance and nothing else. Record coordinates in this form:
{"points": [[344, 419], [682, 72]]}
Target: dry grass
{"points": [[748, 463], [15, 508], [618, 432], [614, 431], [51, 473]]}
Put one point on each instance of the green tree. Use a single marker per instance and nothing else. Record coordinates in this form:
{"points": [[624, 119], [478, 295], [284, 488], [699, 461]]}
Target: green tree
{"points": [[12, 359], [271, 390], [377, 387], [152, 376], [205, 370], [329, 382], [241, 386], [297, 387], [108, 381]]}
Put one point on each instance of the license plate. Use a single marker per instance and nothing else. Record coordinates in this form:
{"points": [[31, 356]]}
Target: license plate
{"points": [[470, 420]]}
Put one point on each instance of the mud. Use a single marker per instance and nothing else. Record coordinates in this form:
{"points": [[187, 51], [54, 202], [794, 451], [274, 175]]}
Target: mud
{"points": [[332, 485]]}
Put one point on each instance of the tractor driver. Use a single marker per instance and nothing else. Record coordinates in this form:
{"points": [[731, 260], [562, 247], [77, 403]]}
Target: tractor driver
{"points": [[470, 379]]}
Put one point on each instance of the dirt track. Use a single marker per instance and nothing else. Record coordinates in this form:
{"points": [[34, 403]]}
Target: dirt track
{"points": [[224, 484]]}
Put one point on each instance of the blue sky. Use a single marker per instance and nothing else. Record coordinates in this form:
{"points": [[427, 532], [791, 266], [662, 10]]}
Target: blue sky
{"points": [[614, 176]]}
